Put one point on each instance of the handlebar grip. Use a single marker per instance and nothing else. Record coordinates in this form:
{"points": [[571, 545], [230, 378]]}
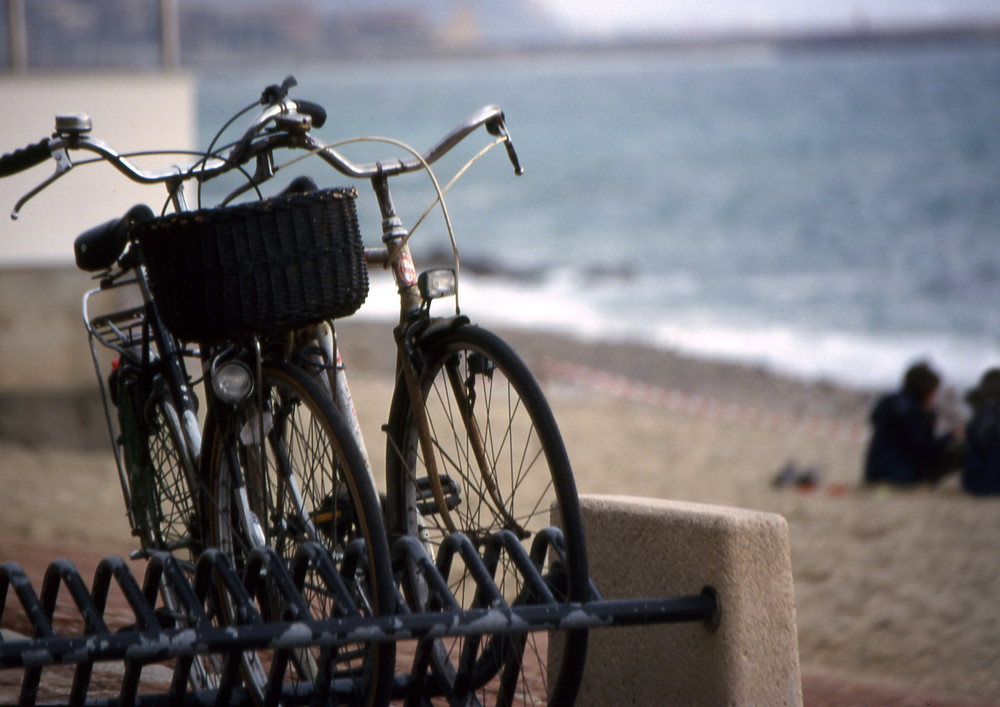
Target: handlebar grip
{"points": [[24, 158], [314, 111]]}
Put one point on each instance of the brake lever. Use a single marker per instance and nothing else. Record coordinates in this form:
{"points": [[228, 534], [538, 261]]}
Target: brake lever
{"points": [[512, 155], [498, 127], [63, 165], [275, 93]]}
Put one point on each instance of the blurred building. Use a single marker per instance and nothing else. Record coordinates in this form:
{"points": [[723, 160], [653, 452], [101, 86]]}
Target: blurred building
{"points": [[75, 35]]}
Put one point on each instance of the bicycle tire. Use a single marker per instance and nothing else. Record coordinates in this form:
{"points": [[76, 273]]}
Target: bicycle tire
{"points": [[307, 442], [523, 448]]}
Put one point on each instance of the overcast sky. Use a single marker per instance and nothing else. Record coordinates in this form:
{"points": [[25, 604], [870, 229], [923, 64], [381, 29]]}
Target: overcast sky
{"points": [[617, 16]]}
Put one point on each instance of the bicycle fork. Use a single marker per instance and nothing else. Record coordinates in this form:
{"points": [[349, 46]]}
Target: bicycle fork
{"points": [[464, 396]]}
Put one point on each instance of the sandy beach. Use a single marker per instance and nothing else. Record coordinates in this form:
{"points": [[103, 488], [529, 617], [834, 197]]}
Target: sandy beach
{"points": [[896, 588]]}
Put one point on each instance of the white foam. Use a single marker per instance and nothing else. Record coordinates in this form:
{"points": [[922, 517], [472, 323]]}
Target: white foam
{"points": [[563, 304]]}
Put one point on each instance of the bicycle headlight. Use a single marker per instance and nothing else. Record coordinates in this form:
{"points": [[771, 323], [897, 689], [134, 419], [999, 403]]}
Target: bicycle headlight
{"points": [[232, 382], [436, 283]]}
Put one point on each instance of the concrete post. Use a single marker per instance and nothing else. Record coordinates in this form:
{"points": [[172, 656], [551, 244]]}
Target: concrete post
{"points": [[170, 35], [17, 36], [645, 547]]}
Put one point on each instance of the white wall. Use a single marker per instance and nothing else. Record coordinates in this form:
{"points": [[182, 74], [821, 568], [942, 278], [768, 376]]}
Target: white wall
{"points": [[129, 112], [43, 345]]}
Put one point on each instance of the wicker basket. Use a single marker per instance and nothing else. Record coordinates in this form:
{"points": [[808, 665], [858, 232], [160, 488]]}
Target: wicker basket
{"points": [[257, 268]]}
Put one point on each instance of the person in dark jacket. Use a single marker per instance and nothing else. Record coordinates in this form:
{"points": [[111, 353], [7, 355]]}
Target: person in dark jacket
{"points": [[981, 466], [904, 447]]}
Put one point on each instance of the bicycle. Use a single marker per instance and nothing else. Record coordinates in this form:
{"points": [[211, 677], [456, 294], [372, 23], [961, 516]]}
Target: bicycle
{"points": [[467, 424], [274, 463]]}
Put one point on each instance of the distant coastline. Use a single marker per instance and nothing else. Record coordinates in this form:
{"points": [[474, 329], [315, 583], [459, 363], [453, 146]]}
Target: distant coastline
{"points": [[788, 42]]}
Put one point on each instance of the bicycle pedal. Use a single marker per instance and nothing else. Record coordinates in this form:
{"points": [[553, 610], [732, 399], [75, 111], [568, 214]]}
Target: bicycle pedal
{"points": [[427, 505], [334, 516]]}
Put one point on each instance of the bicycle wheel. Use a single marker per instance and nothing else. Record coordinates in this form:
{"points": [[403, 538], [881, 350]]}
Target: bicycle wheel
{"points": [[173, 524], [502, 464], [305, 483], [172, 519]]}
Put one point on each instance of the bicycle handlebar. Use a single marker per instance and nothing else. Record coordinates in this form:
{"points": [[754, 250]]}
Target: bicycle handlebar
{"points": [[490, 116], [292, 121]]}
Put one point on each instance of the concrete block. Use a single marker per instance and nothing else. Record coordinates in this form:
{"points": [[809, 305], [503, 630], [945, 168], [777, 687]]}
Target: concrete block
{"points": [[645, 547]]}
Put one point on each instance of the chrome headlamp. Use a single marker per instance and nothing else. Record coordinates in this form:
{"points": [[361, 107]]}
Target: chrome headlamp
{"points": [[232, 382], [440, 282]]}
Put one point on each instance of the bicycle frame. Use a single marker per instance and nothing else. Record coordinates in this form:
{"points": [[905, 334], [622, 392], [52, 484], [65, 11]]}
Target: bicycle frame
{"points": [[414, 308]]}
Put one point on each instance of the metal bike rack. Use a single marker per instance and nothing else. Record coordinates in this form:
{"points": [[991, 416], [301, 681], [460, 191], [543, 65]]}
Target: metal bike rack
{"points": [[147, 641]]}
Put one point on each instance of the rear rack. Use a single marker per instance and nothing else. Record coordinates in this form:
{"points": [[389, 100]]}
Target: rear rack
{"points": [[144, 643], [118, 330], [124, 332]]}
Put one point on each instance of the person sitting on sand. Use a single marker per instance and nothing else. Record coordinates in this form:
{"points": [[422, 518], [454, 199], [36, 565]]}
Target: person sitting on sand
{"points": [[981, 466], [904, 448]]}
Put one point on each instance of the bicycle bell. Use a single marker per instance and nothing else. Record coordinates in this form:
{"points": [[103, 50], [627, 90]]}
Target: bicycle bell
{"points": [[73, 125]]}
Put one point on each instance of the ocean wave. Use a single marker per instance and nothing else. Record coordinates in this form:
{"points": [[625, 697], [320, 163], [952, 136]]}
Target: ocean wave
{"points": [[566, 302]]}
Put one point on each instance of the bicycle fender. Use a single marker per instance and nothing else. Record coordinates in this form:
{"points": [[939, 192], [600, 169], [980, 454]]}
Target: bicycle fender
{"points": [[411, 337], [425, 328]]}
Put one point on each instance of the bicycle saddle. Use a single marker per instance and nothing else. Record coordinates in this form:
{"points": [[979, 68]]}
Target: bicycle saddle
{"points": [[99, 247]]}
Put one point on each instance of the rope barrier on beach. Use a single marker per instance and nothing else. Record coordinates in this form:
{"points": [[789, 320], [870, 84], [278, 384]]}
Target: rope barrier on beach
{"points": [[623, 388]]}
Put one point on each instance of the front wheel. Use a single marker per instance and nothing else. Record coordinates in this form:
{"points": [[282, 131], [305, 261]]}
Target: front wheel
{"points": [[493, 444], [283, 470]]}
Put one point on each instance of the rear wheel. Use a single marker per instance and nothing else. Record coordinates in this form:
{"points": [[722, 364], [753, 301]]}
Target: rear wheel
{"points": [[173, 524], [502, 465], [305, 483]]}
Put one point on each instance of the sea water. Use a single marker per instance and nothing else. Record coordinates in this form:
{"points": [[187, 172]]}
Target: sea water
{"points": [[828, 214]]}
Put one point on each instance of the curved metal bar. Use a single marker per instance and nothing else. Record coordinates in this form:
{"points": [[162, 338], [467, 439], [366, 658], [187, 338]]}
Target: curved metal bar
{"points": [[487, 592], [506, 541], [312, 554], [491, 116]]}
